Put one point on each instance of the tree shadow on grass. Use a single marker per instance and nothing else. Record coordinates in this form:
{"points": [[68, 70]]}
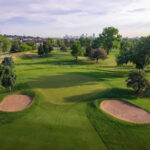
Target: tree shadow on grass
{"points": [[72, 79], [62, 81], [114, 93], [106, 74], [58, 62]]}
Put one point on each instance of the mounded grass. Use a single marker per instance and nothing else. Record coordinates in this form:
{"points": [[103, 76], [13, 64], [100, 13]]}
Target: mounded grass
{"points": [[65, 114]]}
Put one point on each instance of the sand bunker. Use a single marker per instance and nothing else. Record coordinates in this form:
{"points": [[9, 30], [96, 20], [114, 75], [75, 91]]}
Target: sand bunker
{"points": [[15, 103], [125, 111]]}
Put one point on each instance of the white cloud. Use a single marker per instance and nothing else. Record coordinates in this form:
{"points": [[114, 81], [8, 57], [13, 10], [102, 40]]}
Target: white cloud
{"points": [[59, 17]]}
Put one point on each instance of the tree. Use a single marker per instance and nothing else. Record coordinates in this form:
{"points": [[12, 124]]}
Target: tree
{"points": [[5, 44], [108, 37], [63, 48], [16, 45], [51, 42], [72, 41], [82, 41], [77, 50], [67, 42], [60, 43], [25, 47], [125, 54], [9, 78], [40, 50], [8, 61], [1, 71], [138, 53], [97, 43], [89, 51], [141, 55], [32, 44], [137, 81], [47, 47], [7, 75], [99, 54], [85, 42]]}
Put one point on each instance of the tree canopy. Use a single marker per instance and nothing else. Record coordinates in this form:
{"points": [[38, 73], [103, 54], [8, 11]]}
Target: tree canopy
{"points": [[5, 44], [108, 37], [7, 75], [77, 50], [99, 54], [40, 50], [137, 81], [137, 52]]}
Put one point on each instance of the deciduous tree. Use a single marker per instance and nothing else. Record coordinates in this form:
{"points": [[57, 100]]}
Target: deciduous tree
{"points": [[108, 37], [137, 81], [99, 54], [77, 50], [40, 50]]}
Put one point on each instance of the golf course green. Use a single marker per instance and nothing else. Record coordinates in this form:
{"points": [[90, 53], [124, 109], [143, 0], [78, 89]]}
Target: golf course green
{"points": [[65, 113]]}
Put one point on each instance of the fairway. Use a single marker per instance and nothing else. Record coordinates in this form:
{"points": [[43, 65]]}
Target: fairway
{"points": [[65, 113]]}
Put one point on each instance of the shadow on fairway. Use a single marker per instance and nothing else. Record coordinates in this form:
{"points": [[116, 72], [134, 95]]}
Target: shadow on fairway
{"points": [[62, 80], [71, 79], [58, 62], [114, 93]]}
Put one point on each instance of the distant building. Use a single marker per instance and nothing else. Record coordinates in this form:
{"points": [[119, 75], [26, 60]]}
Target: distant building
{"points": [[38, 42]]}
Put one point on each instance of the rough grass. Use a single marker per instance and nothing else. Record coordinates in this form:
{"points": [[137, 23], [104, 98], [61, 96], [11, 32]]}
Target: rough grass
{"points": [[66, 113]]}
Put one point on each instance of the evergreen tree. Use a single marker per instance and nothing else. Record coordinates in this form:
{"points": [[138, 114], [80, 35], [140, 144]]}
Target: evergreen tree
{"points": [[7, 75], [8, 61], [9, 78]]}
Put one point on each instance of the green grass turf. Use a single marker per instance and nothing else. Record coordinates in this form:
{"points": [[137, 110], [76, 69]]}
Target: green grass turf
{"points": [[65, 114]]}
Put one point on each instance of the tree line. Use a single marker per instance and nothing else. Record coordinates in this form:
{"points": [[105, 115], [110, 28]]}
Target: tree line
{"points": [[15, 45]]}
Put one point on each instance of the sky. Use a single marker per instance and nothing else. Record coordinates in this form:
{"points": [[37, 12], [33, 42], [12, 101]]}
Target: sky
{"points": [[56, 18]]}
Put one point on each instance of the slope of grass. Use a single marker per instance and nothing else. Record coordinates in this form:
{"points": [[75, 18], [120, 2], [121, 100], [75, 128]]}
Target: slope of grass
{"points": [[66, 114]]}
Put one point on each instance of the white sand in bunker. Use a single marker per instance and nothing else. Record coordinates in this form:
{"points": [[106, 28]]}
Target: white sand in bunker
{"points": [[16, 102], [125, 111]]}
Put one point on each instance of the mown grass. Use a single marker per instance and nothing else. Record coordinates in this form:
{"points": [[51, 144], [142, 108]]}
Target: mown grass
{"points": [[66, 114]]}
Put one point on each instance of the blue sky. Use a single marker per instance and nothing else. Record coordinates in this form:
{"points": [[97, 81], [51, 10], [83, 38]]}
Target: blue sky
{"points": [[56, 18]]}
